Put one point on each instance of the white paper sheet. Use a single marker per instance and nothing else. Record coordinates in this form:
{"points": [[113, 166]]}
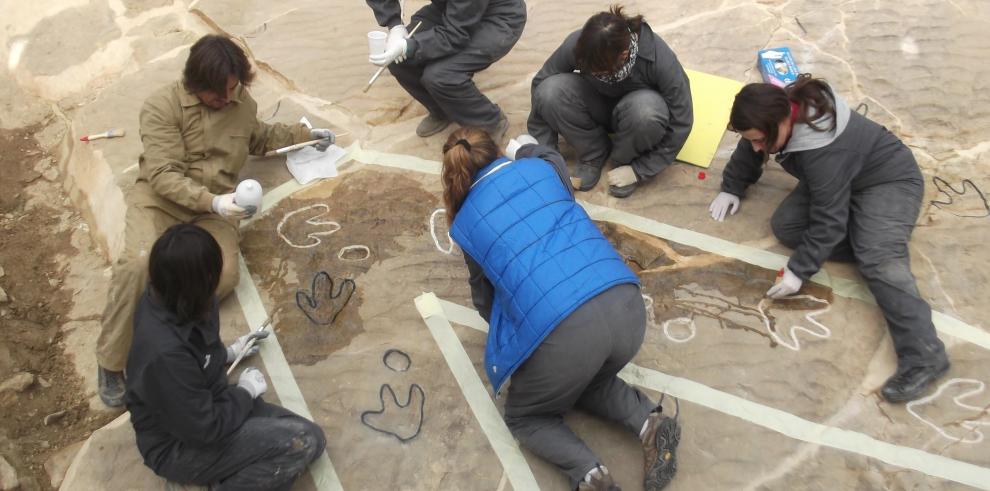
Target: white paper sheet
{"points": [[309, 164]]}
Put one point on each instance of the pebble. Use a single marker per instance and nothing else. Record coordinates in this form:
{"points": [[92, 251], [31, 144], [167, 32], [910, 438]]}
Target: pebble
{"points": [[2, 272], [18, 383], [8, 476], [53, 417], [3, 295], [50, 175]]}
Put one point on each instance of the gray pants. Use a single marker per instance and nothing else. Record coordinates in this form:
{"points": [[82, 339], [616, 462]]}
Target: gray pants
{"points": [[881, 219], [445, 86], [576, 365], [268, 452], [565, 104]]}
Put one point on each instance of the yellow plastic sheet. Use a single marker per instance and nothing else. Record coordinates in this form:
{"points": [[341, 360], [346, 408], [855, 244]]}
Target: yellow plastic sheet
{"points": [[712, 97]]}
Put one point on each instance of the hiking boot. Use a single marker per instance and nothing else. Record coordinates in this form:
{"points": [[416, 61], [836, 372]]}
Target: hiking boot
{"points": [[431, 125], [497, 131], [623, 191], [111, 386], [908, 384], [598, 480], [585, 176], [660, 441]]}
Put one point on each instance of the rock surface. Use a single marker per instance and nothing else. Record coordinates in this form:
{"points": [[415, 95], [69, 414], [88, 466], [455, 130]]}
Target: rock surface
{"points": [[18, 383], [8, 476]]}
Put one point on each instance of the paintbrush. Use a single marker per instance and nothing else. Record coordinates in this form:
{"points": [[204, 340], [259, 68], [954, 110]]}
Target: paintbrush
{"points": [[114, 133], [290, 148], [382, 69], [247, 347]]}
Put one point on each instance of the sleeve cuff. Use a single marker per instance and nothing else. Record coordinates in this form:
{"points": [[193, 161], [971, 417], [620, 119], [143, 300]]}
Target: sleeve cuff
{"points": [[205, 203]]}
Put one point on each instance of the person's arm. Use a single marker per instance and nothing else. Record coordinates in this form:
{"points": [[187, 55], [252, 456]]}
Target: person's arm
{"points": [[743, 170], [388, 13], [828, 176], [482, 291], [267, 137], [673, 85], [550, 155], [451, 36], [163, 157], [186, 407]]}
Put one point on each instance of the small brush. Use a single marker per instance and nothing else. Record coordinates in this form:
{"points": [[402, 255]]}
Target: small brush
{"points": [[114, 133]]}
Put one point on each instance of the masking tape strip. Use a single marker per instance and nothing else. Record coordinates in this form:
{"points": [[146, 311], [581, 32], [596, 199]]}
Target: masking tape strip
{"points": [[773, 419], [322, 470], [514, 464]]}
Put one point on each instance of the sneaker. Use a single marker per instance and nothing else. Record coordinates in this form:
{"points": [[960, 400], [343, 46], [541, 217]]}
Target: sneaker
{"points": [[111, 386], [497, 132], [660, 448], [585, 176], [598, 481], [431, 125], [908, 384], [623, 191]]}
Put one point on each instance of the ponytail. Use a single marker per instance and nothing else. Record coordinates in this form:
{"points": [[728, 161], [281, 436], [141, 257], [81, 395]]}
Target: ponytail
{"points": [[467, 151]]}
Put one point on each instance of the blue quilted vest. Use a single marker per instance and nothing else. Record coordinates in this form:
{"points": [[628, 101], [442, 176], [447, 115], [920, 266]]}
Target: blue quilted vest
{"points": [[539, 249]]}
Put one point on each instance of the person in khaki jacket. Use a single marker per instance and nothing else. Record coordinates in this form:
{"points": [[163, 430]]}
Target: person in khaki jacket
{"points": [[197, 134]]}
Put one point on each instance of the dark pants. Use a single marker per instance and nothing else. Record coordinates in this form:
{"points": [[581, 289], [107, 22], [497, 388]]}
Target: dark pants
{"points": [[881, 219], [445, 86], [268, 452], [576, 365], [567, 105]]}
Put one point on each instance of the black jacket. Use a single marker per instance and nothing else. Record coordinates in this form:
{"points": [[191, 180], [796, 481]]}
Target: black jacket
{"points": [[177, 390]]}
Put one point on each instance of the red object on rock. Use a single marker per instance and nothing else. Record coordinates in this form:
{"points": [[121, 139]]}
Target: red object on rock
{"points": [[701, 175]]}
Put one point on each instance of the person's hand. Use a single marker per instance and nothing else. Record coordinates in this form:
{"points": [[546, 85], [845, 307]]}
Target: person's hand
{"points": [[234, 349], [395, 47], [327, 137], [223, 205], [516, 143], [722, 204], [622, 176], [253, 381], [788, 285]]}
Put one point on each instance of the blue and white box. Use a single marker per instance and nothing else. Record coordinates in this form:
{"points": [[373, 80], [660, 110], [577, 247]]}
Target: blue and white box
{"points": [[777, 66]]}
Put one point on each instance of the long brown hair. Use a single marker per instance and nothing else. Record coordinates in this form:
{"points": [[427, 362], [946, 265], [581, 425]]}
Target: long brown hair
{"points": [[762, 106], [212, 60], [603, 38], [467, 151]]}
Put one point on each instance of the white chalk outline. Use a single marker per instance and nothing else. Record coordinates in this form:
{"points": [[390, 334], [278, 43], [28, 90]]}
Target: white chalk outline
{"points": [[810, 317], [433, 232], [311, 221], [969, 425], [680, 320], [356, 247]]}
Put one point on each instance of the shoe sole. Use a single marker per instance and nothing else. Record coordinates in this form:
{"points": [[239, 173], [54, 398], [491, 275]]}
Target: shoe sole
{"points": [[921, 390], [666, 439], [586, 187], [623, 192]]}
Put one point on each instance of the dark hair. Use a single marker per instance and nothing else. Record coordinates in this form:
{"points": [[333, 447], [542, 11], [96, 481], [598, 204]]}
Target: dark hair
{"points": [[184, 268], [763, 106], [212, 61], [467, 151], [603, 38]]}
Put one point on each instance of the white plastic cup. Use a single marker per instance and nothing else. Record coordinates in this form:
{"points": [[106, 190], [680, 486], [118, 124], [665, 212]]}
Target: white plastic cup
{"points": [[248, 195], [376, 42]]}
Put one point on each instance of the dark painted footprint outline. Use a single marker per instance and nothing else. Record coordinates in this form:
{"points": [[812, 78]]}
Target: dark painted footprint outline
{"points": [[318, 298], [395, 399], [941, 184]]}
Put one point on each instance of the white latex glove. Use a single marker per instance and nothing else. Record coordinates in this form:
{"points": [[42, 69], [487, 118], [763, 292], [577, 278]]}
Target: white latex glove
{"points": [[395, 47], [724, 202], [223, 205], [234, 349], [326, 135], [516, 143], [787, 286], [622, 176], [253, 381]]}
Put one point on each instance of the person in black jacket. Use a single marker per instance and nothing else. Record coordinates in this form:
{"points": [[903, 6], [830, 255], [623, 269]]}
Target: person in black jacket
{"points": [[192, 426], [628, 83], [436, 65], [857, 199]]}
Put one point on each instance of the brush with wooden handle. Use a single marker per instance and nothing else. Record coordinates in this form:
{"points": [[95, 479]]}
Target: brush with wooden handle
{"points": [[114, 133]]}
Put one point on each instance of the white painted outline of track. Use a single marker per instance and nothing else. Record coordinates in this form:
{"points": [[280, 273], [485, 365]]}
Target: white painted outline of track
{"points": [[810, 317], [356, 247], [433, 232], [440, 312], [310, 221], [969, 425], [680, 320]]}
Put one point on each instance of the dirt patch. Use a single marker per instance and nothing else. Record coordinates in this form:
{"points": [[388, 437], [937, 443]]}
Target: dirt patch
{"points": [[310, 254], [687, 285], [32, 244]]}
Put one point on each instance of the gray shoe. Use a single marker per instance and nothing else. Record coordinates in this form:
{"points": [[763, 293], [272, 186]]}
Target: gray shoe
{"points": [[622, 191], [497, 132], [600, 481], [585, 176], [111, 386], [431, 125]]}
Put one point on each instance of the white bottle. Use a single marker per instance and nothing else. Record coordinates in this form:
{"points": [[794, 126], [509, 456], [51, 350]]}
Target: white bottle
{"points": [[248, 195]]}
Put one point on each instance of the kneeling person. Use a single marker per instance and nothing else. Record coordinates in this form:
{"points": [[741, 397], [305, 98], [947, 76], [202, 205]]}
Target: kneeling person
{"points": [[192, 426], [629, 83]]}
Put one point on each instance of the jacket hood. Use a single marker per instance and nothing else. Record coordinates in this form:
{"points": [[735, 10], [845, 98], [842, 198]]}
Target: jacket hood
{"points": [[804, 137]]}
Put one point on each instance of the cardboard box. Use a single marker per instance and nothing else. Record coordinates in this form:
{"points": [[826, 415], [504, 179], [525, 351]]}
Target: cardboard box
{"points": [[777, 66]]}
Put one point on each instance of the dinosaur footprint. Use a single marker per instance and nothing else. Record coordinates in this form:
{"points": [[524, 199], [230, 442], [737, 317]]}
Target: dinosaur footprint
{"points": [[968, 202], [962, 423], [322, 304], [306, 233], [814, 327], [403, 421]]}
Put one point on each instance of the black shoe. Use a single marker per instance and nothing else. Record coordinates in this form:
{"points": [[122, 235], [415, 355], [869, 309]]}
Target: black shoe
{"points": [[623, 191], [585, 176], [431, 125], [111, 386], [909, 384]]}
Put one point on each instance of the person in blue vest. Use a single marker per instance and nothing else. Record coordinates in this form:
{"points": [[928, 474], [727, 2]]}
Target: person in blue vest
{"points": [[553, 290]]}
